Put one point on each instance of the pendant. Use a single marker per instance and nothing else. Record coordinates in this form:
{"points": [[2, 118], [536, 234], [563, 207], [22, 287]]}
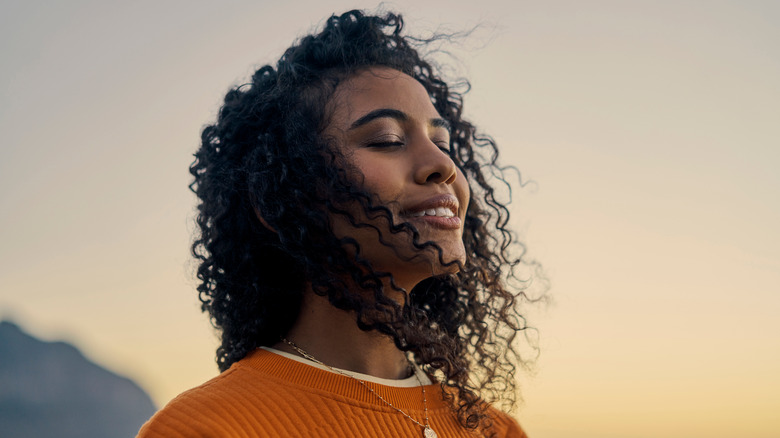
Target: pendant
{"points": [[429, 433]]}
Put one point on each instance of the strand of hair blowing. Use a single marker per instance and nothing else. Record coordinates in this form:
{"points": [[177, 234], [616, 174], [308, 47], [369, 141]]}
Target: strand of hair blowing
{"points": [[266, 157]]}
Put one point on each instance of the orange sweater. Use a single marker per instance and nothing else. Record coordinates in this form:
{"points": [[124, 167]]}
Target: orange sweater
{"points": [[268, 395]]}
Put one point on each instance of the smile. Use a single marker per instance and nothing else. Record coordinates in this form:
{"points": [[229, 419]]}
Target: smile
{"points": [[437, 212], [440, 211]]}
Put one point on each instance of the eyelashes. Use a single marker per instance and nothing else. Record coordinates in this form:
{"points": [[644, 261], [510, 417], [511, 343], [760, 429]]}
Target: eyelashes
{"points": [[385, 144], [443, 145]]}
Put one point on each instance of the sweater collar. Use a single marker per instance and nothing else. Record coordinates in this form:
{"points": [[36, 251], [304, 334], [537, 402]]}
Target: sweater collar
{"points": [[410, 382], [331, 384]]}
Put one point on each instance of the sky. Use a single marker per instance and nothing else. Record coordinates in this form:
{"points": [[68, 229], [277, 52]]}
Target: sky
{"points": [[648, 130]]}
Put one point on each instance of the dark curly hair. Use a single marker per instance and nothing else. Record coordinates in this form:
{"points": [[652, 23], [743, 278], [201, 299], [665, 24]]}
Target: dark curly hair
{"points": [[267, 157]]}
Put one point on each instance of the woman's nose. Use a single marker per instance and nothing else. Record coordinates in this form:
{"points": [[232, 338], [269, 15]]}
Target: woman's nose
{"points": [[432, 165]]}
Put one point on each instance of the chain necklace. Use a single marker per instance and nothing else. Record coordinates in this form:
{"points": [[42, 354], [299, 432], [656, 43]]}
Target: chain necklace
{"points": [[427, 431]]}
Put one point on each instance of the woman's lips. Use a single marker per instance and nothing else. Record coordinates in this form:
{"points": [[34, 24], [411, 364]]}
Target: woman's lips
{"points": [[440, 211], [445, 223]]}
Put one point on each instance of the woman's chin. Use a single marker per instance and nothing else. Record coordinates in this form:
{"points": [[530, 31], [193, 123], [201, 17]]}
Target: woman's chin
{"points": [[448, 261]]}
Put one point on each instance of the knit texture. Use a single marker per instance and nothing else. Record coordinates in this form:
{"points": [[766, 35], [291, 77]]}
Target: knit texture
{"points": [[268, 395]]}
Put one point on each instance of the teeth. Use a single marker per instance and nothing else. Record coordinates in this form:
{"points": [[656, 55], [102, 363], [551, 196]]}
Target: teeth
{"points": [[438, 212], [443, 212]]}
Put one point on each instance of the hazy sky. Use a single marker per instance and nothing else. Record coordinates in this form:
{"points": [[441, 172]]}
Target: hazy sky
{"points": [[650, 128]]}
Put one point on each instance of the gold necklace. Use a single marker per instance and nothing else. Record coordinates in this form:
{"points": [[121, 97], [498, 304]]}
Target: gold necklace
{"points": [[427, 431]]}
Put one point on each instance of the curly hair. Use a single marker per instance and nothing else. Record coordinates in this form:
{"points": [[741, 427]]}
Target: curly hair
{"points": [[268, 181]]}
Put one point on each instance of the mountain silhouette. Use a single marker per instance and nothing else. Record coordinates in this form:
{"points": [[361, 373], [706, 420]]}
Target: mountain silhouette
{"points": [[49, 389]]}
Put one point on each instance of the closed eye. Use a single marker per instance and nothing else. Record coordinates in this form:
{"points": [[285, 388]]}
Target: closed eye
{"points": [[443, 145], [385, 144]]}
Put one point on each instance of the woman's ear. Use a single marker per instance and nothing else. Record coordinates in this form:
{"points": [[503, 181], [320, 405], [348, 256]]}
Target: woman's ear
{"points": [[263, 221]]}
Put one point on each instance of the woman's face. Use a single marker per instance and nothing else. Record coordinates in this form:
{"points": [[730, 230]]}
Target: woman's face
{"points": [[389, 130]]}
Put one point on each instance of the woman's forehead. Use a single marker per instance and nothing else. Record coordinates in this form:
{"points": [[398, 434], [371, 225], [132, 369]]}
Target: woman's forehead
{"points": [[380, 88]]}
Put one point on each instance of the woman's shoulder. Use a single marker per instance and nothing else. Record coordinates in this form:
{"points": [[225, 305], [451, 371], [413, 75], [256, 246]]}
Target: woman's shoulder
{"points": [[216, 407], [505, 425], [200, 411]]}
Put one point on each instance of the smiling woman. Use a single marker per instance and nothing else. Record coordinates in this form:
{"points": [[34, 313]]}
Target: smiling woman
{"points": [[399, 146], [352, 253]]}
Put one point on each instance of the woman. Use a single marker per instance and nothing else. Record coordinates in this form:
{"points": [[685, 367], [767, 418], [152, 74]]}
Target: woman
{"points": [[351, 251]]}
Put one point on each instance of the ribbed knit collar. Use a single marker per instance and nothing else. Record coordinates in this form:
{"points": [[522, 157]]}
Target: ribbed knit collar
{"points": [[335, 385], [409, 382]]}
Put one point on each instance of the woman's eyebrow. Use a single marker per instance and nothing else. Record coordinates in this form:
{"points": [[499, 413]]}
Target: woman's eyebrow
{"points": [[441, 123], [397, 115], [378, 114]]}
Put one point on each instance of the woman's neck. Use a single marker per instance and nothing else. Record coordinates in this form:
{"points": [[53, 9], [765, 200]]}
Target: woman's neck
{"points": [[332, 336]]}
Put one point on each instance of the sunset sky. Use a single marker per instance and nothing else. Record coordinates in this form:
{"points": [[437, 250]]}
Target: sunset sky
{"points": [[650, 132]]}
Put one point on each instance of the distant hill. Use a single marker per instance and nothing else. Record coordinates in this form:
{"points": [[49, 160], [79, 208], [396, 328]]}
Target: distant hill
{"points": [[49, 389]]}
